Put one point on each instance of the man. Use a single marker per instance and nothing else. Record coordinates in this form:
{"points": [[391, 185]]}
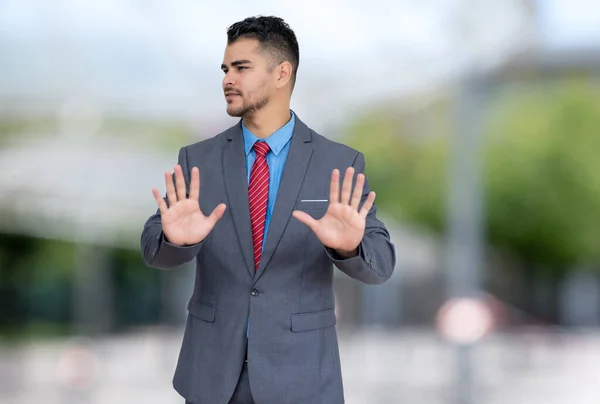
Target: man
{"points": [[261, 323]]}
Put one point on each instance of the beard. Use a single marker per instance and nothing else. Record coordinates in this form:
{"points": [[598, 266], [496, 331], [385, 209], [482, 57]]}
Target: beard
{"points": [[248, 108]]}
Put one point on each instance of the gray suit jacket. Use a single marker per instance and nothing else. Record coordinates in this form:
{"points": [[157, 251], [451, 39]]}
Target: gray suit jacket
{"points": [[293, 353]]}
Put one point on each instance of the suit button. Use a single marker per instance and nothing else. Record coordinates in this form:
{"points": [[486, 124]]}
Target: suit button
{"points": [[254, 292]]}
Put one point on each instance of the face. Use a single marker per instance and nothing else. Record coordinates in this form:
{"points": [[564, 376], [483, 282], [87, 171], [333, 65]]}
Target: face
{"points": [[249, 81]]}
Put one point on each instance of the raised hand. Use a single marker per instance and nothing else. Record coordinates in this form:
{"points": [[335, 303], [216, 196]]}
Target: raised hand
{"points": [[183, 222], [343, 226]]}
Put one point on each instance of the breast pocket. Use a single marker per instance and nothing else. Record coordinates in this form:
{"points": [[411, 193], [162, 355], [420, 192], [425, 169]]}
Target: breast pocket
{"points": [[315, 208]]}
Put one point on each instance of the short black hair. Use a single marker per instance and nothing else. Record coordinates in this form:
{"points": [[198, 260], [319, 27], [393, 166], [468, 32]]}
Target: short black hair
{"points": [[274, 36]]}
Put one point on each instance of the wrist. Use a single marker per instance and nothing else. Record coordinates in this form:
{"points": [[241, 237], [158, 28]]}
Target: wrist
{"points": [[347, 254]]}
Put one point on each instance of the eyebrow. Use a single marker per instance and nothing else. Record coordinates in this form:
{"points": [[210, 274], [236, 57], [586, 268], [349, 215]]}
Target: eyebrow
{"points": [[236, 63]]}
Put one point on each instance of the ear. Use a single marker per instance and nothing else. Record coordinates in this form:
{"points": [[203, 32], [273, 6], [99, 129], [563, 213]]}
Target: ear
{"points": [[284, 74]]}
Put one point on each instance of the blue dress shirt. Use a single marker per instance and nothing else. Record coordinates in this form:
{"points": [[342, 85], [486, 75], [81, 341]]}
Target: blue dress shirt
{"points": [[279, 142]]}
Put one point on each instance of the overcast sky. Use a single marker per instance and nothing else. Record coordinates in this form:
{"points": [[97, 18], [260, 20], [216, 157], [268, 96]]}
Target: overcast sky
{"points": [[168, 53], [570, 23]]}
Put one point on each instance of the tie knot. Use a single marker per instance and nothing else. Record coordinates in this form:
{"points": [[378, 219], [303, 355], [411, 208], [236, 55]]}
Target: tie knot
{"points": [[261, 148]]}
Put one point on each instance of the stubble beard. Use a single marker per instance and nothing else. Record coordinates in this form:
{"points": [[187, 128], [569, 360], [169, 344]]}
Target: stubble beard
{"points": [[247, 110]]}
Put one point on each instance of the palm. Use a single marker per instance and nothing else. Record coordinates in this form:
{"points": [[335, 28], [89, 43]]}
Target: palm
{"points": [[343, 225], [183, 222]]}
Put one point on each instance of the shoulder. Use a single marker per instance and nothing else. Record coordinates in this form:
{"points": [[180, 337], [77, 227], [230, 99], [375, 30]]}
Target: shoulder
{"points": [[327, 146]]}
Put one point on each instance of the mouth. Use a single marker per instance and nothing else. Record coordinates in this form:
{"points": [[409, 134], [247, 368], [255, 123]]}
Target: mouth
{"points": [[230, 95]]}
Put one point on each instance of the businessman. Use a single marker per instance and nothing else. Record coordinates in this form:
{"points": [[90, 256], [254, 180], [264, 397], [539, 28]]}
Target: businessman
{"points": [[267, 209]]}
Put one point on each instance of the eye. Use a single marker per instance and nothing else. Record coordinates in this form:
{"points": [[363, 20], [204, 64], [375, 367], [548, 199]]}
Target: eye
{"points": [[242, 67]]}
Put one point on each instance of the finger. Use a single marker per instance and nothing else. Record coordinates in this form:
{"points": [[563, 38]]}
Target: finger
{"points": [[195, 184], [357, 193], [334, 188], [306, 219], [160, 201], [180, 183], [217, 213], [347, 185], [364, 211], [171, 195]]}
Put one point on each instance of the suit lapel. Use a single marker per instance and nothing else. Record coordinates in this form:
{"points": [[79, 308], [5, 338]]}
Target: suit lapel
{"points": [[236, 186], [291, 181]]}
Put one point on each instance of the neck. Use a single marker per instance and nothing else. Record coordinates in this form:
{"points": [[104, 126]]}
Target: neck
{"points": [[269, 119]]}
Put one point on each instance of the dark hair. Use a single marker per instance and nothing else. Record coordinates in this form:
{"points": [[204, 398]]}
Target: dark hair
{"points": [[274, 36]]}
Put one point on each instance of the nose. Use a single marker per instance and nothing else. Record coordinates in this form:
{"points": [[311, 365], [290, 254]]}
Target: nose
{"points": [[228, 80]]}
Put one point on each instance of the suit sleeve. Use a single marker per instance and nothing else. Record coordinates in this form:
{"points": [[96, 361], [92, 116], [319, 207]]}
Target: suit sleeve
{"points": [[376, 257], [157, 251]]}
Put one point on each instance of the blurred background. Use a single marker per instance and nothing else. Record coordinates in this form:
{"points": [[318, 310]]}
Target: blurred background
{"points": [[480, 122]]}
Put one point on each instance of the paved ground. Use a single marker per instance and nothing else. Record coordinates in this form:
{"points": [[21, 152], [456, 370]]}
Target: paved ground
{"points": [[404, 367]]}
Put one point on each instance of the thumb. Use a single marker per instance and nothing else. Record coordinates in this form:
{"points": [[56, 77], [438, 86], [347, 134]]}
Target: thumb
{"points": [[305, 218], [217, 213]]}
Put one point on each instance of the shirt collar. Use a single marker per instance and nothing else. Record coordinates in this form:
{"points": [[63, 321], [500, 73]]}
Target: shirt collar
{"points": [[276, 141]]}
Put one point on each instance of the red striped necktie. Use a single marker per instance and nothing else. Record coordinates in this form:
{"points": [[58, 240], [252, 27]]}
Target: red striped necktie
{"points": [[258, 195]]}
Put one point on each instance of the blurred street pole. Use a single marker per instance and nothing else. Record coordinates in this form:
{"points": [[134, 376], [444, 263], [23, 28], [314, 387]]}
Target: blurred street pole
{"points": [[464, 216], [464, 208]]}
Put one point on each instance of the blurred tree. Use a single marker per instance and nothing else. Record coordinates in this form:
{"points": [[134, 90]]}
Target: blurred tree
{"points": [[15, 273], [543, 174], [405, 156], [36, 287], [403, 169], [137, 299], [541, 180], [153, 134], [34, 284]]}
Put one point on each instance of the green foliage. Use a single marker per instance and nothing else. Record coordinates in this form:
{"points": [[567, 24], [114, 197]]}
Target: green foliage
{"points": [[159, 134], [137, 290], [404, 171], [34, 281], [541, 172], [37, 277]]}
